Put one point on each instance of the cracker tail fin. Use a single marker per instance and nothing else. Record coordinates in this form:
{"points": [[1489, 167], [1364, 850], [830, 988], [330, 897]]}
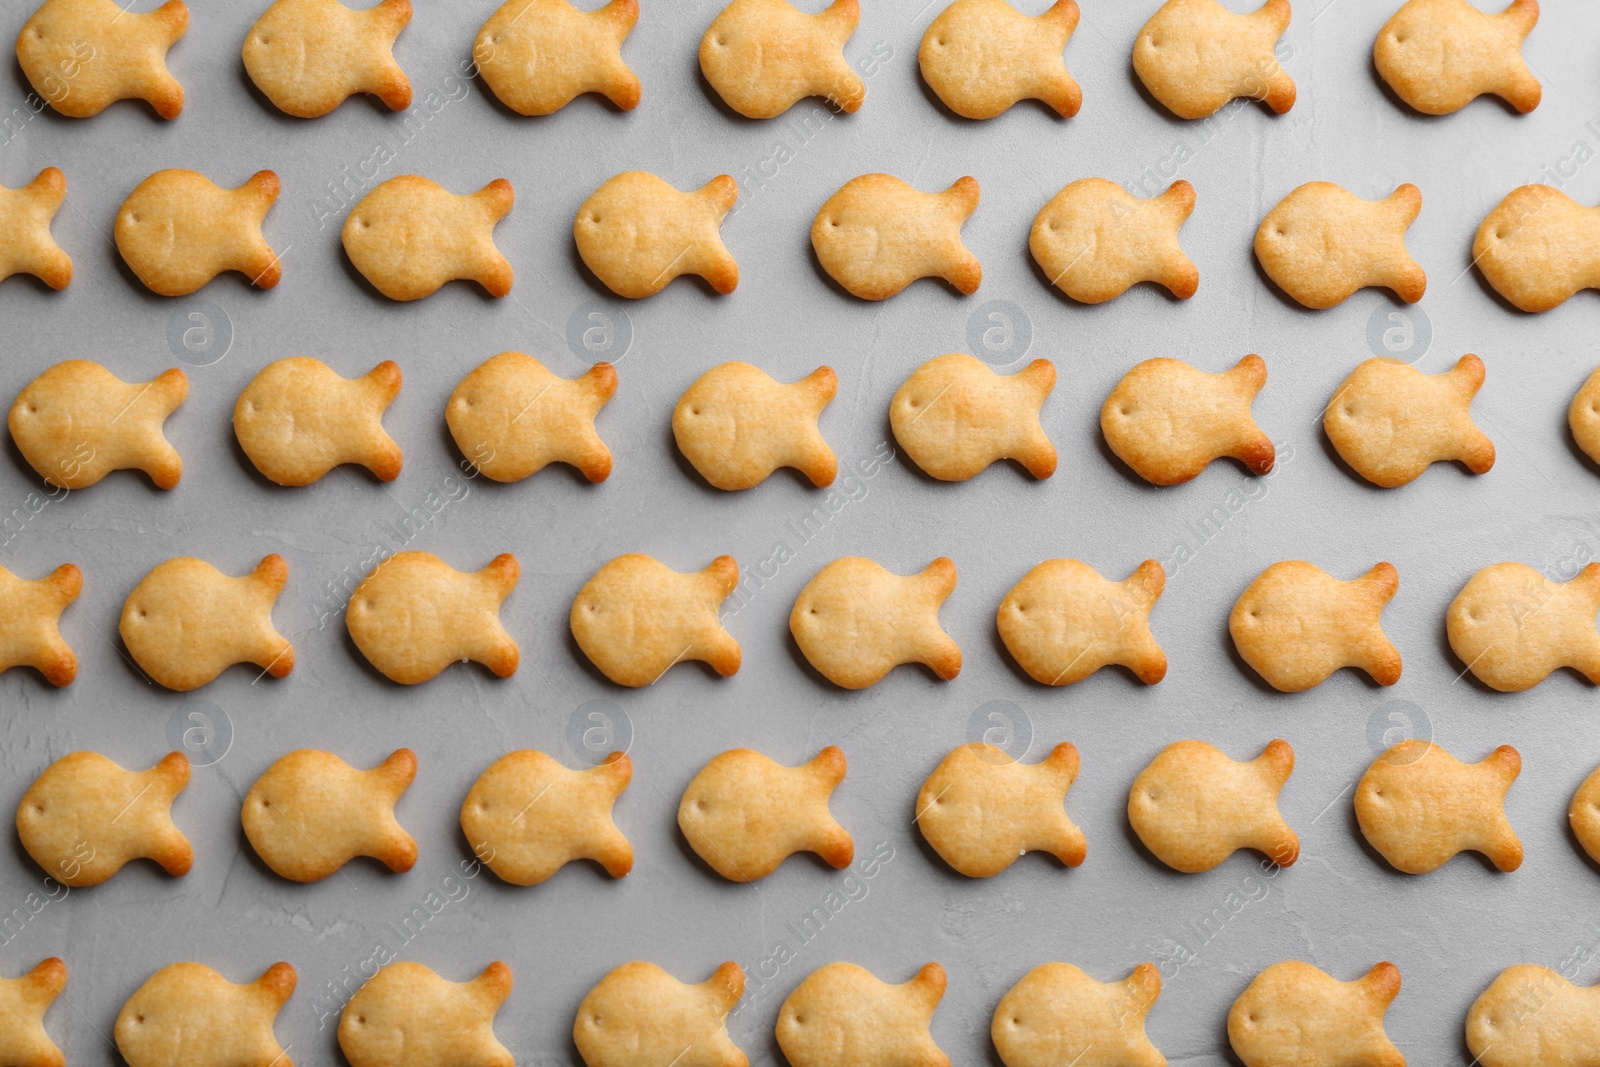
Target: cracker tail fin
{"points": [[394, 15], [822, 385], [272, 574], [1059, 89], [726, 984], [1382, 984], [67, 582], [928, 985], [1064, 762], [1250, 371], [842, 16], [1275, 12], [501, 575], [398, 771], [1277, 759], [276, 984], [1518, 20], [1521, 89], [492, 987], [1064, 14]]}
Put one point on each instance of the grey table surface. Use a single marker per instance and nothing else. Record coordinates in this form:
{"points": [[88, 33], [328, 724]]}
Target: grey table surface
{"points": [[1340, 907]]}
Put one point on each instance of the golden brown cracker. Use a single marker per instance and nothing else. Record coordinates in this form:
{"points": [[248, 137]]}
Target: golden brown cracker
{"points": [[764, 56], [309, 56], [982, 56], [737, 425], [188, 1014], [84, 55], [844, 1016], [744, 814], [855, 621], [1063, 621], [637, 617], [310, 813], [409, 236], [1511, 626], [26, 245], [414, 615], [1419, 806], [408, 1016], [298, 419], [527, 816], [1294, 1015], [78, 422], [1321, 243], [1536, 247], [1583, 416], [1583, 815], [1095, 240], [640, 1016], [637, 233], [23, 1003], [1390, 421], [186, 622], [85, 817], [1193, 807], [1195, 55], [1056, 1015], [877, 235], [1531, 1016], [1440, 55], [537, 56], [511, 417], [30, 621], [177, 231], [980, 809], [955, 416], [1168, 421], [1296, 624]]}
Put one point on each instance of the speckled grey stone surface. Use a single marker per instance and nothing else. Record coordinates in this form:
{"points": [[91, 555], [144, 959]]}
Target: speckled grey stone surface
{"points": [[1340, 907]]}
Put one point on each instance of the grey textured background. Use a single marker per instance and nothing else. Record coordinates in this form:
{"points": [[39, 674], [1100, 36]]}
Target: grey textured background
{"points": [[1340, 907]]}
